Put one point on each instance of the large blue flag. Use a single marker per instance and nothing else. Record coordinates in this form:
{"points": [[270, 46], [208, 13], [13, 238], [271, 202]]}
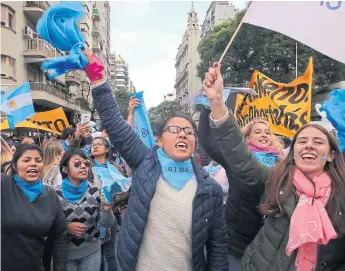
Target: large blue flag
{"points": [[141, 121], [335, 110], [18, 105], [58, 26]]}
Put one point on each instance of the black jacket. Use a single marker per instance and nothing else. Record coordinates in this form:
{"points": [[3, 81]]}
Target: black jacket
{"points": [[268, 250], [25, 225], [243, 220]]}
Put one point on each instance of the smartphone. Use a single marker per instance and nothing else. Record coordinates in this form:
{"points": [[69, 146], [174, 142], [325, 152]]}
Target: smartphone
{"points": [[85, 118]]}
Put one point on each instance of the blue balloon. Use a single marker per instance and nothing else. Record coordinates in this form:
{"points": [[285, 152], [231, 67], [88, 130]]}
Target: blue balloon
{"points": [[335, 110], [58, 26]]}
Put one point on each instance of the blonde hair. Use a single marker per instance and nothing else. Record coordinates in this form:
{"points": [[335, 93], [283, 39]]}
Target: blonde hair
{"points": [[274, 141], [51, 149], [6, 154], [27, 141]]}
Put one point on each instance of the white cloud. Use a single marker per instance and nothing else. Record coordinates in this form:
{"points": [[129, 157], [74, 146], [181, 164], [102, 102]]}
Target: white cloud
{"points": [[124, 36]]}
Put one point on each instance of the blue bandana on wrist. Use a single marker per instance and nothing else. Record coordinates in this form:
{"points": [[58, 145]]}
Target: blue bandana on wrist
{"points": [[213, 169], [113, 182], [73, 193], [31, 190], [177, 174]]}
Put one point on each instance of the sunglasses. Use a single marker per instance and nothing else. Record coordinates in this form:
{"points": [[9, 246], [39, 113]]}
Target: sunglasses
{"points": [[77, 163], [97, 145]]}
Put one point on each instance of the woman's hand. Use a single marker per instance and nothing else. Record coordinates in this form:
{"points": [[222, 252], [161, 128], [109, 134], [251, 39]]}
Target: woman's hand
{"points": [[95, 69], [214, 90], [133, 103], [77, 229], [81, 130]]}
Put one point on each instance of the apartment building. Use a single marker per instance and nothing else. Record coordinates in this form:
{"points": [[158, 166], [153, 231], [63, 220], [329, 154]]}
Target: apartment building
{"points": [[23, 52], [119, 75], [217, 13], [187, 82]]}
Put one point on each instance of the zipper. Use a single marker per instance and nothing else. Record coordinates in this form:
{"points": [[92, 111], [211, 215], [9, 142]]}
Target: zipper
{"points": [[251, 254], [135, 263]]}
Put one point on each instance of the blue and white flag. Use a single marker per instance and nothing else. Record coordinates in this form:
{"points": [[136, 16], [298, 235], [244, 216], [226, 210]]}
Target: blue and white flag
{"points": [[141, 121], [18, 105]]}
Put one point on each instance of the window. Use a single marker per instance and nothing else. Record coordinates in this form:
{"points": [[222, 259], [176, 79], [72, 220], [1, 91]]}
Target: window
{"points": [[8, 17], [8, 67]]}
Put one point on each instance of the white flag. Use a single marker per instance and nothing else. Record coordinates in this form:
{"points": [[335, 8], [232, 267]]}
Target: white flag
{"points": [[318, 24]]}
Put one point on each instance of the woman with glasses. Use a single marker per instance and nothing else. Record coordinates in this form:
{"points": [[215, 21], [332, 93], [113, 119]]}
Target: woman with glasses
{"points": [[174, 220], [84, 211]]}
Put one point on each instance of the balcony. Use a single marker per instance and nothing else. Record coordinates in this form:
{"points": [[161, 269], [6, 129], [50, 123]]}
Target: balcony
{"points": [[96, 14], [73, 77], [50, 96], [39, 48], [95, 30], [96, 45], [34, 9]]}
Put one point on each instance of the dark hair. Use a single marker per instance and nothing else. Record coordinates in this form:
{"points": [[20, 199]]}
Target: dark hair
{"points": [[67, 157], [21, 149], [177, 115], [156, 128], [282, 175], [67, 132], [106, 143]]}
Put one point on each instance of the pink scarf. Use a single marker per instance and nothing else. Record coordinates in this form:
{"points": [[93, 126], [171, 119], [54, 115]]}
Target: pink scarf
{"points": [[310, 224], [268, 149]]}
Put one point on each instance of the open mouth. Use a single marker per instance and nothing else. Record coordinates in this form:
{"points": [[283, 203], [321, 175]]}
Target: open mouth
{"points": [[181, 146], [32, 172], [308, 157], [263, 141]]}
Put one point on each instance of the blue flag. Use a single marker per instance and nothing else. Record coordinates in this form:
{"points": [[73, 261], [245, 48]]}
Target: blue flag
{"points": [[335, 110], [58, 26], [18, 105], [141, 121]]}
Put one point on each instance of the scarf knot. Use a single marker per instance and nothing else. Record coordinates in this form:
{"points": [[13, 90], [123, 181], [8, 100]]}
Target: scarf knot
{"points": [[310, 224]]}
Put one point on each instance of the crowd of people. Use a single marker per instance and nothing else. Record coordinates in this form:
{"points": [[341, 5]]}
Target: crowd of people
{"points": [[255, 206]]}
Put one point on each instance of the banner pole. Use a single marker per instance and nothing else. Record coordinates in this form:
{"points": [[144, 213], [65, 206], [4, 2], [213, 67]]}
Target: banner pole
{"points": [[296, 61], [230, 42]]}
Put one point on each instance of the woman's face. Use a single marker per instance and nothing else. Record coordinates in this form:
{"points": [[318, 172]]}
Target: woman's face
{"points": [[260, 135], [78, 168], [98, 148], [29, 166], [312, 151], [13, 149], [178, 145]]}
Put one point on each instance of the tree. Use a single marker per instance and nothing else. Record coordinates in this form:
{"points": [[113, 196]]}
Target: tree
{"points": [[163, 111], [122, 98], [270, 52], [86, 100]]}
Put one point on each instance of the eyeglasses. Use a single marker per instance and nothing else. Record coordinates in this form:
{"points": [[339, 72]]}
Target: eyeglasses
{"points": [[177, 130], [77, 163], [97, 145]]}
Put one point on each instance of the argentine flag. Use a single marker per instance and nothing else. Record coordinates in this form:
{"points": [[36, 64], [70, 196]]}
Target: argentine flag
{"points": [[18, 105]]}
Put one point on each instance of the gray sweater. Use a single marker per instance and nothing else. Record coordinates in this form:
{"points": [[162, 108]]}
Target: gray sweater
{"points": [[89, 212], [25, 225]]}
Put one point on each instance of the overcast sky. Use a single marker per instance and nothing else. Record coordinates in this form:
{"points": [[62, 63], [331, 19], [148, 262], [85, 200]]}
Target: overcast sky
{"points": [[146, 34]]}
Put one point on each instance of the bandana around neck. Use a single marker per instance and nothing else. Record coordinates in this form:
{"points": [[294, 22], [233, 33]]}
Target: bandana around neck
{"points": [[269, 149], [113, 182], [177, 174], [31, 190], [73, 193]]}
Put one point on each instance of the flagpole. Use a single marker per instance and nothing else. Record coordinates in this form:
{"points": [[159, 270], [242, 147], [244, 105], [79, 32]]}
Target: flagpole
{"points": [[230, 42], [296, 61]]}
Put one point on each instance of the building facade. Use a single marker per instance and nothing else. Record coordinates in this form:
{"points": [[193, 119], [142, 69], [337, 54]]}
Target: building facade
{"points": [[119, 74], [216, 14], [187, 81], [23, 52]]}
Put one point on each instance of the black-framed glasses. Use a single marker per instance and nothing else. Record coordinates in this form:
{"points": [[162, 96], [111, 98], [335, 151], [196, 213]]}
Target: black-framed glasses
{"points": [[177, 130], [97, 145]]}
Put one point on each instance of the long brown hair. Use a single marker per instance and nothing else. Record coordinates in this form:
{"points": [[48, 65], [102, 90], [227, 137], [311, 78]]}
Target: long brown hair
{"points": [[282, 175]]}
